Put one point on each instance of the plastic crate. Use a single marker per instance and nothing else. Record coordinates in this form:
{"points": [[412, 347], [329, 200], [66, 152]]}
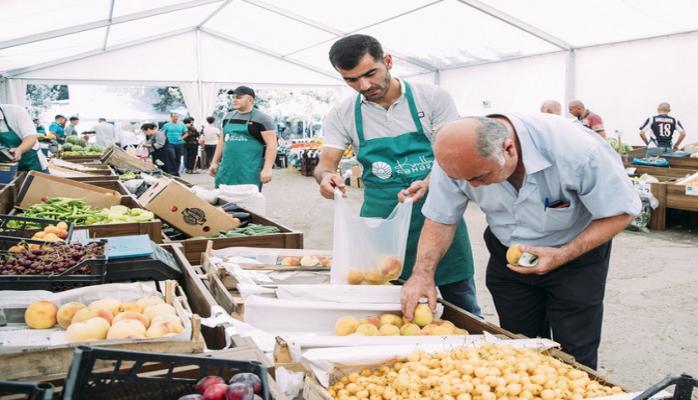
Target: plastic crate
{"points": [[30, 390], [56, 283], [15, 226], [147, 376]]}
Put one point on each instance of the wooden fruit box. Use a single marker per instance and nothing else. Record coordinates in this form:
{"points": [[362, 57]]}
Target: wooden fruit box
{"points": [[112, 184], [670, 195], [41, 363], [286, 239]]}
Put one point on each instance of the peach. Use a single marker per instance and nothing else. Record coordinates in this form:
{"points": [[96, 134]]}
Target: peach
{"points": [[171, 318], [422, 315], [131, 315], [355, 277], [291, 261], [410, 329], [158, 309], [123, 307], [391, 319], [373, 277], [371, 319], [459, 331], [346, 326], [93, 329], [366, 330], [127, 329], [67, 311], [441, 330], [41, 315], [108, 304], [85, 314], [163, 328], [389, 330], [390, 267], [514, 253], [149, 301]]}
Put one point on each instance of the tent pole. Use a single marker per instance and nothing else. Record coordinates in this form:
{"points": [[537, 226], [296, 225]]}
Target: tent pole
{"points": [[570, 77]]}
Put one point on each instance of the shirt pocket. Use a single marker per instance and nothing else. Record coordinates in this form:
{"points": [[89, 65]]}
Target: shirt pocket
{"points": [[556, 219]]}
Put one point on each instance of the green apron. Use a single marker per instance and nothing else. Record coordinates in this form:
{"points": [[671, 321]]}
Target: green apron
{"points": [[243, 156], [390, 165], [30, 159]]}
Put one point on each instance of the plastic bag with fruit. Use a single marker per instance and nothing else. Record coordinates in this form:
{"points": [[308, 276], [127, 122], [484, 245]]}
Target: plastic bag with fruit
{"points": [[368, 250]]}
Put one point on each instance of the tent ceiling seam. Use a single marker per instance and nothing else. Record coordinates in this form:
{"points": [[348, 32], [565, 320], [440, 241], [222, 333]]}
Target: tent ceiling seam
{"points": [[102, 23], [214, 13], [517, 23], [81, 56], [111, 16]]}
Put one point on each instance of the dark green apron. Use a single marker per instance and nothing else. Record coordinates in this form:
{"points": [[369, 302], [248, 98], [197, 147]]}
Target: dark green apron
{"points": [[30, 159], [390, 165], [242, 158]]}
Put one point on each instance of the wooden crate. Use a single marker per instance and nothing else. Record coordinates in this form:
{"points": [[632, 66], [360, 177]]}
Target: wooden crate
{"points": [[286, 239], [112, 184], [37, 363], [670, 195], [80, 159]]}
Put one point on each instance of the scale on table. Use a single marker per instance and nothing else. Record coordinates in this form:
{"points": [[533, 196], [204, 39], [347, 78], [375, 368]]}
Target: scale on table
{"points": [[136, 257]]}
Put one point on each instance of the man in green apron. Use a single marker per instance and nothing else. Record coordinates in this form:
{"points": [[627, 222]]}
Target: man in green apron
{"points": [[392, 124], [18, 133], [246, 150]]}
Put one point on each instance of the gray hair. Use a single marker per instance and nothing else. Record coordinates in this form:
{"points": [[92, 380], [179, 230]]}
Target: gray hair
{"points": [[490, 139]]}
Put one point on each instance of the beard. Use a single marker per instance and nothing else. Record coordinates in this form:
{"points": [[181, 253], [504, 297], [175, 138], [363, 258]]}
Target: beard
{"points": [[379, 91]]}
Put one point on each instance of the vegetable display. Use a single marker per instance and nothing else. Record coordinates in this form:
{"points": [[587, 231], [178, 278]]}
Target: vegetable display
{"points": [[75, 147], [249, 230], [127, 176], [51, 259], [487, 372], [79, 213]]}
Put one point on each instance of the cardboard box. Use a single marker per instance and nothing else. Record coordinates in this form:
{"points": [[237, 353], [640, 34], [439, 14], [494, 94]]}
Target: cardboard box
{"points": [[38, 186], [175, 204]]}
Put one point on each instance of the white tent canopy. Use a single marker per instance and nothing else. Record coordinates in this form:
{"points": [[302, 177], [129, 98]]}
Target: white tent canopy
{"points": [[489, 53]]}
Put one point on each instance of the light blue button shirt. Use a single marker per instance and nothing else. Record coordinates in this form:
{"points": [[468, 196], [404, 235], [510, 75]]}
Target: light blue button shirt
{"points": [[563, 161]]}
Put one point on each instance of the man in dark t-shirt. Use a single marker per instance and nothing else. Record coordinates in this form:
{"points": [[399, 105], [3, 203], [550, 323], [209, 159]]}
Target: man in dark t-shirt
{"points": [[662, 127]]}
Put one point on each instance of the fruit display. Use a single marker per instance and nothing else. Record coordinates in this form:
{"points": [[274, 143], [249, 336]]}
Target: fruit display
{"points": [[129, 175], [107, 318], [248, 230], [79, 213], [487, 372], [241, 386], [423, 324], [388, 268], [76, 147], [49, 259], [305, 261], [53, 233], [517, 257]]}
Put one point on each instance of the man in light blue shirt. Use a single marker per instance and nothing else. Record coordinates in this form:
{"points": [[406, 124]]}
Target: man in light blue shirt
{"points": [[543, 182], [175, 145]]}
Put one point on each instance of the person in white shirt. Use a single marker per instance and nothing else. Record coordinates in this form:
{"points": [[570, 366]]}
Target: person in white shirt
{"points": [[127, 137], [18, 133], [210, 139], [105, 134]]}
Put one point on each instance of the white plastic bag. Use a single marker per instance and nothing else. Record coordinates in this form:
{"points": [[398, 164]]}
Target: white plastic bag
{"points": [[246, 196], [368, 250]]}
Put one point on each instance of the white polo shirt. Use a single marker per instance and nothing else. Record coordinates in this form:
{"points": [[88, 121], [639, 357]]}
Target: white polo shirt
{"points": [[435, 108]]}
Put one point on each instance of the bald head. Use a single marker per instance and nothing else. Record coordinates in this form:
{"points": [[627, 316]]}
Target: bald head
{"points": [[475, 149], [577, 108], [663, 108], [551, 107]]}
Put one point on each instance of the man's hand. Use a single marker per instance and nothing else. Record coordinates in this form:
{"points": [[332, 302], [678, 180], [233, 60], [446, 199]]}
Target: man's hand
{"points": [[549, 259], [415, 288], [417, 190], [675, 148], [17, 152], [213, 169], [265, 175], [329, 183]]}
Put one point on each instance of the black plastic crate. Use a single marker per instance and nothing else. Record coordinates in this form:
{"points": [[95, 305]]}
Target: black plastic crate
{"points": [[30, 390], [14, 226], [56, 283], [133, 377]]}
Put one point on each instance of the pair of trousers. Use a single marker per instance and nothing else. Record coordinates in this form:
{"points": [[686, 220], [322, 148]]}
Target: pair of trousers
{"points": [[462, 294], [566, 303], [190, 153], [209, 150], [175, 152]]}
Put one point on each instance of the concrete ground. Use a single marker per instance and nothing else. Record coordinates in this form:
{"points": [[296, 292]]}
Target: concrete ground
{"points": [[651, 308]]}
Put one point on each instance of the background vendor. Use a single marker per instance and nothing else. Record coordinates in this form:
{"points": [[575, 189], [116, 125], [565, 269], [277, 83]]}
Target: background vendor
{"points": [[246, 150], [18, 133], [57, 128]]}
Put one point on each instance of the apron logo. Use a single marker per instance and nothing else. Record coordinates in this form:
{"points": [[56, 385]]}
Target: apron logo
{"points": [[381, 170]]}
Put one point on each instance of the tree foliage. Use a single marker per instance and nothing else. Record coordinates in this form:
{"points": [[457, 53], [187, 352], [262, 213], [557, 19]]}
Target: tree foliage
{"points": [[39, 97], [170, 97]]}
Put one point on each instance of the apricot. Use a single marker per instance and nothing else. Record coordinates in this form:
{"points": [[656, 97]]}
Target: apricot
{"points": [[390, 267], [149, 301], [158, 309], [66, 312], [391, 319], [367, 330], [163, 328], [389, 330], [41, 315], [410, 329], [355, 277], [108, 304], [346, 326]]}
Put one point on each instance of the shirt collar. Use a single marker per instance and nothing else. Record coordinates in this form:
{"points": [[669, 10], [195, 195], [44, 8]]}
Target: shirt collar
{"points": [[533, 160], [402, 94]]}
